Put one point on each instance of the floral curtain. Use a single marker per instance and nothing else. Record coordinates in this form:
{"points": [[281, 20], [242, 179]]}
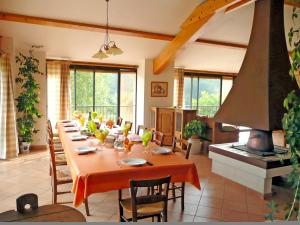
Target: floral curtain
{"points": [[178, 87], [58, 86], [9, 147]]}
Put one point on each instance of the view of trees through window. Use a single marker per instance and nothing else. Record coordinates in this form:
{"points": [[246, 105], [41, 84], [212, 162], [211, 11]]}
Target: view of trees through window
{"points": [[110, 93], [206, 93]]}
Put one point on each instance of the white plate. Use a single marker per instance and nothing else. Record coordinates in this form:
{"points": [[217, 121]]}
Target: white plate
{"points": [[71, 129], [133, 162], [135, 138], [85, 149], [78, 137], [161, 150], [69, 124]]}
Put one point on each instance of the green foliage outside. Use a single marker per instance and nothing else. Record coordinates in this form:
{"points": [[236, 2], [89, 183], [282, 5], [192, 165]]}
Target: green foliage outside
{"points": [[29, 95], [291, 125], [106, 93]]}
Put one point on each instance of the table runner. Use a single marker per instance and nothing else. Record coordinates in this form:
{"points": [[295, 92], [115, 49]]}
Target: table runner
{"points": [[101, 172]]}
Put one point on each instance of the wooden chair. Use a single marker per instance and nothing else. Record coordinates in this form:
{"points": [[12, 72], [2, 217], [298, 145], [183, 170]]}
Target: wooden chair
{"points": [[56, 141], [146, 206], [119, 121], [130, 123], [59, 177], [27, 199], [60, 159], [139, 129], [158, 138], [180, 187]]}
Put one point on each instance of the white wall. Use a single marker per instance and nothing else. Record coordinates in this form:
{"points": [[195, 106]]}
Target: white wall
{"points": [[140, 94], [168, 76]]}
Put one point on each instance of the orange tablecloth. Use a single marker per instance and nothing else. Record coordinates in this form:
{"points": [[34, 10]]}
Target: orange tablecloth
{"points": [[100, 171]]}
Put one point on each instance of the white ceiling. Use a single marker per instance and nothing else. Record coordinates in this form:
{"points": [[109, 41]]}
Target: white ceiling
{"points": [[162, 16]]}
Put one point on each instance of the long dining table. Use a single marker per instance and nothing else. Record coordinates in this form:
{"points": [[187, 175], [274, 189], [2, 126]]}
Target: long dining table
{"points": [[101, 171]]}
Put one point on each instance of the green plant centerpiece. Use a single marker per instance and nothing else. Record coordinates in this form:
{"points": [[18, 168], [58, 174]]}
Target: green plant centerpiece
{"points": [[195, 129], [291, 126], [28, 98]]}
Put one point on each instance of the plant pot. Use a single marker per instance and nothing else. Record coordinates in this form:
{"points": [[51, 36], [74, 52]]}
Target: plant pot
{"points": [[24, 148], [196, 146]]}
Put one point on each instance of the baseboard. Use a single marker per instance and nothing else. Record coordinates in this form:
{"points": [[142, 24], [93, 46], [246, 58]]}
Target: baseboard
{"points": [[38, 147]]}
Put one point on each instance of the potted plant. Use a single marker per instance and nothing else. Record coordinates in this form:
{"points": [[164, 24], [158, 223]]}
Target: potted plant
{"points": [[194, 130], [28, 98]]}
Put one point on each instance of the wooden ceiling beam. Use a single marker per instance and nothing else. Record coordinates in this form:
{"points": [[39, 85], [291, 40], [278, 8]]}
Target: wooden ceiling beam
{"points": [[242, 3], [198, 18], [205, 9], [185, 36], [292, 3], [238, 5], [101, 28]]}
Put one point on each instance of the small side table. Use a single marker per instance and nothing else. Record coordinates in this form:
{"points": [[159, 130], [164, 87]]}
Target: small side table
{"points": [[46, 213]]}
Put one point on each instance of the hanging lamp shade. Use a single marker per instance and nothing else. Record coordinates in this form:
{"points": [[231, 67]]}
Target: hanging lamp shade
{"points": [[115, 50], [108, 47], [100, 55]]}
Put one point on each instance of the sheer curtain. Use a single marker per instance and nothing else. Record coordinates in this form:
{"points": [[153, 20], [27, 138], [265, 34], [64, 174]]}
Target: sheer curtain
{"points": [[178, 87], [9, 147], [58, 91]]}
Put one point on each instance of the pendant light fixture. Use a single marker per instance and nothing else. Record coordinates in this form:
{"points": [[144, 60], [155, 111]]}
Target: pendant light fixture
{"points": [[108, 47]]}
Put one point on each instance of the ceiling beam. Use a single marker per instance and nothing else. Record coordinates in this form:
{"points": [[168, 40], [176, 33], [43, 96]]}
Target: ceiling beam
{"points": [[242, 3], [101, 28], [238, 5], [198, 18], [205, 9], [185, 36], [292, 3]]}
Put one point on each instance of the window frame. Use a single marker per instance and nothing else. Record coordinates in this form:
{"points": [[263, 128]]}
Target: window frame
{"points": [[117, 70], [199, 75]]}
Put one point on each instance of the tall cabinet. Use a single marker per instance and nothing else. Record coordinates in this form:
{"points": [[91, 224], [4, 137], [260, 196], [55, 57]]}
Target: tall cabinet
{"points": [[171, 121]]}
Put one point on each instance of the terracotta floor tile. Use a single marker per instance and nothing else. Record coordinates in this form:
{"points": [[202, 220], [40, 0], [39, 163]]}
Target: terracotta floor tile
{"points": [[233, 216], [219, 198], [213, 193], [256, 218], [211, 202], [179, 217], [234, 206], [208, 212], [258, 209], [203, 219]]}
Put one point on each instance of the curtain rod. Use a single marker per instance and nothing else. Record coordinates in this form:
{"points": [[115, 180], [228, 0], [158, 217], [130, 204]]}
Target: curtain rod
{"points": [[82, 63]]}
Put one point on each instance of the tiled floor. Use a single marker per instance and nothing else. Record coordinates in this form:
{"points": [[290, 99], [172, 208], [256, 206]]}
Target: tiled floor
{"points": [[219, 200]]}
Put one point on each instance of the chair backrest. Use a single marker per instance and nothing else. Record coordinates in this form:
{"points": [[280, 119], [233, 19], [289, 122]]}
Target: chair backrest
{"points": [[52, 158], [179, 141], [158, 137], [119, 121], [161, 196], [27, 199], [130, 123], [140, 128], [49, 129]]}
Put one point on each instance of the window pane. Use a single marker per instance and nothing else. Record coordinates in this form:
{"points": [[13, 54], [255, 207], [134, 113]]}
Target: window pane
{"points": [[194, 92], [187, 92], [127, 101], [84, 90], [226, 86], [106, 94], [209, 96]]}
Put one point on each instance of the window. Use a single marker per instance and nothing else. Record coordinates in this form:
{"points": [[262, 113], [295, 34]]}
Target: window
{"points": [[111, 92], [206, 92]]}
